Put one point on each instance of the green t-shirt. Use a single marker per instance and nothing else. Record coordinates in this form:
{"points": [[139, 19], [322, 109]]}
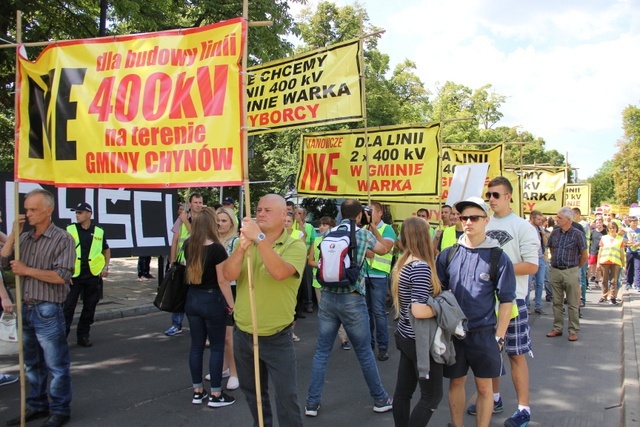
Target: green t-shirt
{"points": [[275, 299]]}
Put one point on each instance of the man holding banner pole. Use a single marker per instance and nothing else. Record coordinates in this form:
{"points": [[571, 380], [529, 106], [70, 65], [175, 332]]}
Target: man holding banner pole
{"points": [[46, 268], [278, 263]]}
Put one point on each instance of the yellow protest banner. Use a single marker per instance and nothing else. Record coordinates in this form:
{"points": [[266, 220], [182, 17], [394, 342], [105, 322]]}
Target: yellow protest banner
{"points": [[319, 86], [516, 196], [543, 190], [451, 157], [402, 161], [146, 110], [579, 196]]}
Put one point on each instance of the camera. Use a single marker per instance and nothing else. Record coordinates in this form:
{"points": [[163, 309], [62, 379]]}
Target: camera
{"points": [[366, 214]]}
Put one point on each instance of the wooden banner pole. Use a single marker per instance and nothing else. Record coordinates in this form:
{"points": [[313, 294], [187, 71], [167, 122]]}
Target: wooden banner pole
{"points": [[247, 201]]}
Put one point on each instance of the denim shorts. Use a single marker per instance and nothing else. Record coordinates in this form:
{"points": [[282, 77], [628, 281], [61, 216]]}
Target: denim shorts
{"points": [[478, 351]]}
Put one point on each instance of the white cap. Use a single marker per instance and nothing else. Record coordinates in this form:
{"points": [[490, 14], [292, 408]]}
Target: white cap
{"points": [[476, 202]]}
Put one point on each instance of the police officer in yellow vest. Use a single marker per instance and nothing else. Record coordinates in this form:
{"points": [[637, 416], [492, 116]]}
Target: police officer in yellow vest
{"points": [[377, 269], [92, 264]]}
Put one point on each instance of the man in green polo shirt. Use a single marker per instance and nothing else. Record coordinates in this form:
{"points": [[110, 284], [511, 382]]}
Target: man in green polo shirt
{"points": [[277, 264]]}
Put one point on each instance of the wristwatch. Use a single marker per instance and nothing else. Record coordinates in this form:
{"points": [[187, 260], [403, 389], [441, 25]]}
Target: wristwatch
{"points": [[500, 341], [260, 238]]}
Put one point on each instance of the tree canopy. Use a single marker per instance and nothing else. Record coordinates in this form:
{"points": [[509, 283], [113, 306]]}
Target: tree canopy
{"points": [[393, 95]]}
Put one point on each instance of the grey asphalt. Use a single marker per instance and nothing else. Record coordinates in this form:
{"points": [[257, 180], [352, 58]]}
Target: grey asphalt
{"points": [[592, 382]]}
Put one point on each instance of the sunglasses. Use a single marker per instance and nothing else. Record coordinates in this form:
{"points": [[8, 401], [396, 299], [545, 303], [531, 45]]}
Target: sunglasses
{"points": [[473, 218], [494, 194]]}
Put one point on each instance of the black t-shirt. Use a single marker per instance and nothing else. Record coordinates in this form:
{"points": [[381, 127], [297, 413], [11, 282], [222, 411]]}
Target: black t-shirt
{"points": [[214, 254]]}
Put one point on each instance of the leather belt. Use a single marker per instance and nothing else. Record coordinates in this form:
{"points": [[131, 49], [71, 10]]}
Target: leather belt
{"points": [[564, 267]]}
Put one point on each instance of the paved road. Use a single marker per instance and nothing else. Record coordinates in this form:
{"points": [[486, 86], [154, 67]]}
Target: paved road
{"points": [[135, 376]]}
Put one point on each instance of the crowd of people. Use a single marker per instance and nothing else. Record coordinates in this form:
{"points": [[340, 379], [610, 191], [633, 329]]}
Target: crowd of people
{"points": [[460, 292]]}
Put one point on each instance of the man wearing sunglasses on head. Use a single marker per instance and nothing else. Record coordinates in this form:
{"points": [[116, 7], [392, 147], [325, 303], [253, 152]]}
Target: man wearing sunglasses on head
{"points": [[520, 241]]}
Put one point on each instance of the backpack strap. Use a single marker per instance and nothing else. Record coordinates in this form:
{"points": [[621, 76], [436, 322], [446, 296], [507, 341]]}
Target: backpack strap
{"points": [[451, 254], [353, 244], [496, 253]]}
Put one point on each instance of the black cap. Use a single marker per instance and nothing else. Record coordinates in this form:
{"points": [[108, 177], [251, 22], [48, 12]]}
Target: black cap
{"points": [[83, 207], [228, 201]]}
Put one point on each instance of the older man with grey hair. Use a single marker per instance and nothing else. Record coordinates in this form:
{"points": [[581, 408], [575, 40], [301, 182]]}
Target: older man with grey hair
{"points": [[568, 247]]}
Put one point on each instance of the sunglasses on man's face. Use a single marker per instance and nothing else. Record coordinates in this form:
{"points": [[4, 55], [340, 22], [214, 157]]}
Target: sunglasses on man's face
{"points": [[473, 218], [494, 194]]}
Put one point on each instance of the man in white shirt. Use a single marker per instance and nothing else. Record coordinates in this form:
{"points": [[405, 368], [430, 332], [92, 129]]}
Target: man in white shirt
{"points": [[519, 240]]}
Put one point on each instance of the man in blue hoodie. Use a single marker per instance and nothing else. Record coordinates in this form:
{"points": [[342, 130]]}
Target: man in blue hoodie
{"points": [[468, 276]]}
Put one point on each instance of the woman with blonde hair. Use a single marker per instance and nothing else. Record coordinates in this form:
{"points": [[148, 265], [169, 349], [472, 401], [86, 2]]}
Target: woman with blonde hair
{"points": [[228, 230], [414, 282], [209, 300]]}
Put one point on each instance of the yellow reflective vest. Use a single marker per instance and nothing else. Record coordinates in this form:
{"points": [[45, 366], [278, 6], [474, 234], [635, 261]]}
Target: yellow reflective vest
{"points": [[184, 235], [96, 260], [610, 250], [448, 238], [382, 262]]}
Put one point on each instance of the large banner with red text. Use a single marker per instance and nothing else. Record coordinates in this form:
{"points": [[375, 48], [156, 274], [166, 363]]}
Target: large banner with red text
{"points": [[392, 163], [146, 110]]}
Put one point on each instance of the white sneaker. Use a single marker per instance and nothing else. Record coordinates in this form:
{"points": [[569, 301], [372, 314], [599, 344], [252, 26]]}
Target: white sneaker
{"points": [[233, 383], [207, 377]]}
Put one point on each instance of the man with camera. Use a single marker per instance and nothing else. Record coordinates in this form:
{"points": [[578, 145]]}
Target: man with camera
{"points": [[347, 306], [377, 270]]}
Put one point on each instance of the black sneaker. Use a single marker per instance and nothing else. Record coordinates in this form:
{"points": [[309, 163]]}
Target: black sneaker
{"points": [[382, 355], [311, 409], [613, 301], [199, 396], [383, 405], [220, 401]]}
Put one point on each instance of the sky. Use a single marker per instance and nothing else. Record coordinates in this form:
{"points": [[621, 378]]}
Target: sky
{"points": [[567, 68]]}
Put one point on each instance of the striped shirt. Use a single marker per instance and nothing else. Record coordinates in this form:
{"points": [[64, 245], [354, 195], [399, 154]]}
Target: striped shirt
{"points": [[53, 250], [414, 285], [566, 247]]}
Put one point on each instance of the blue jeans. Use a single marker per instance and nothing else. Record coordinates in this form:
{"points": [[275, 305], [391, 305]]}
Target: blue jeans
{"points": [[547, 284], [176, 320], [206, 310], [584, 281], [376, 297], [278, 365], [349, 310], [633, 269], [538, 278], [46, 352]]}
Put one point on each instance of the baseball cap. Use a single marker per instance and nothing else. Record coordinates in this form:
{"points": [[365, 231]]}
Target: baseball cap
{"points": [[476, 202], [228, 201], [83, 207]]}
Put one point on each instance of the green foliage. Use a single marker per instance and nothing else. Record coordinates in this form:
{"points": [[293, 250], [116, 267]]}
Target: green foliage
{"points": [[602, 184], [320, 207], [627, 180]]}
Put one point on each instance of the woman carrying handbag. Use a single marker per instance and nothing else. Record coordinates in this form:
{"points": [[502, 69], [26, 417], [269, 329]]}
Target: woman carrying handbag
{"points": [[209, 300]]}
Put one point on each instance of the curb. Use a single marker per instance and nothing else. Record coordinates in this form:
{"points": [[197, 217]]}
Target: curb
{"points": [[121, 313], [631, 349]]}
